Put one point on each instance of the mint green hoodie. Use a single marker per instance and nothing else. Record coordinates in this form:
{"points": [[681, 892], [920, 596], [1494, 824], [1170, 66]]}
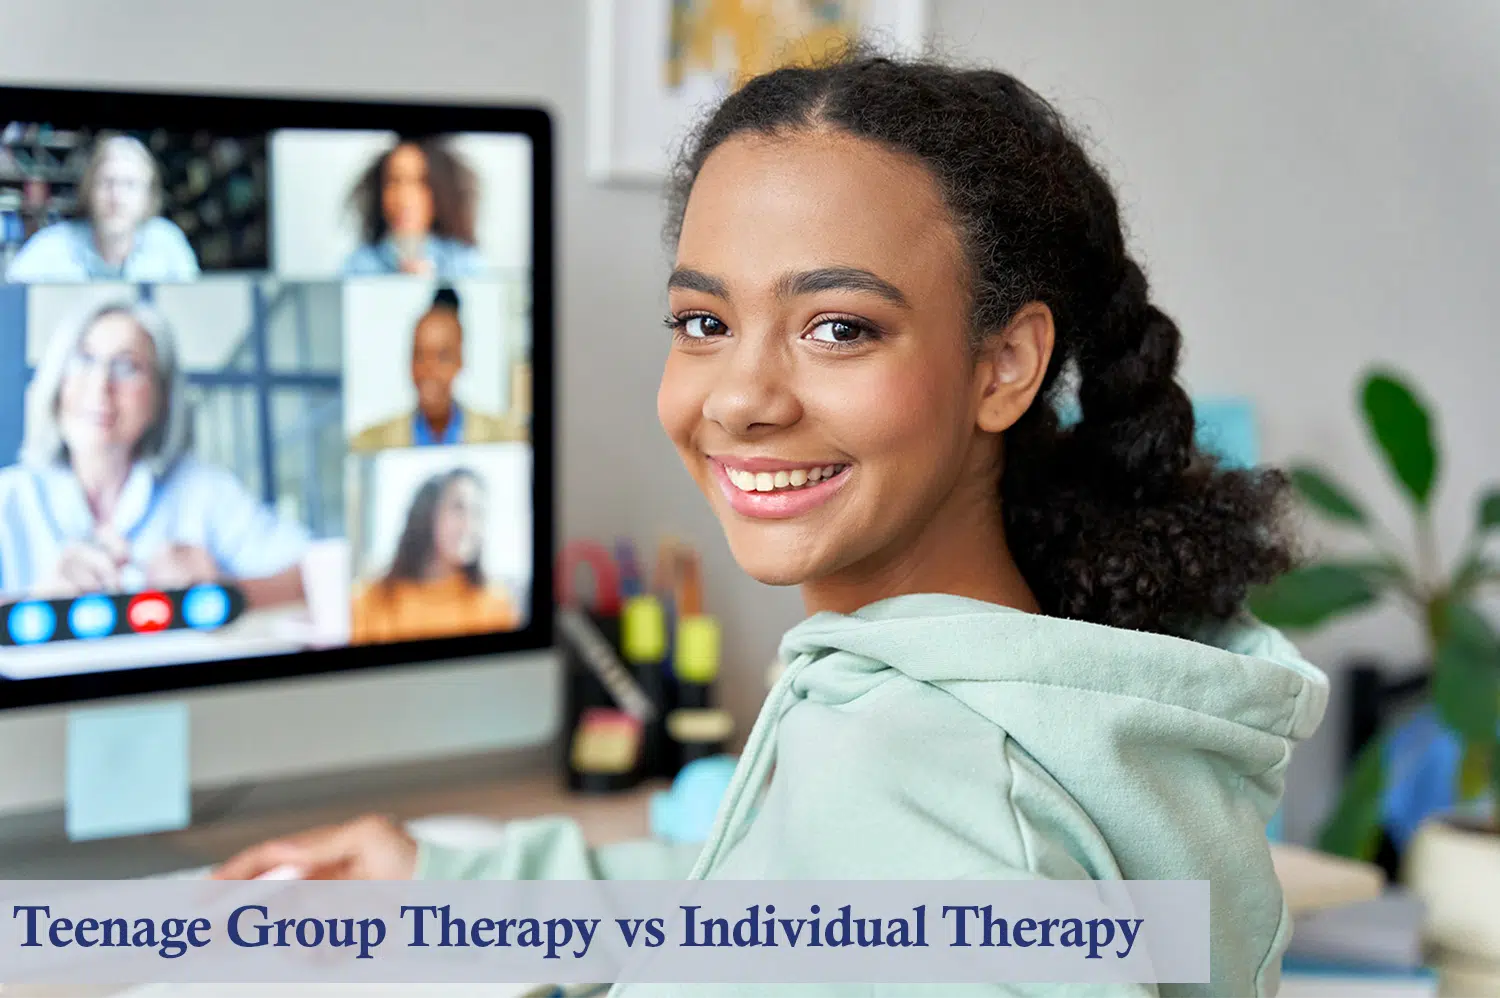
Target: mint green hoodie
{"points": [[932, 737]]}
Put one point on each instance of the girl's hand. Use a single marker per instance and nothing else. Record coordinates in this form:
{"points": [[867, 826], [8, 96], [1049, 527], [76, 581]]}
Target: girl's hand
{"points": [[368, 848]]}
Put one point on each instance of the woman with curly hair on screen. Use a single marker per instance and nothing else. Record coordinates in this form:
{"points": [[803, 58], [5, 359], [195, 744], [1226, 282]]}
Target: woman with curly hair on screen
{"points": [[416, 206], [1027, 654]]}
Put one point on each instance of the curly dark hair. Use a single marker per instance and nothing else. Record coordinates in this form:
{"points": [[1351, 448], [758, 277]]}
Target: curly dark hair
{"points": [[1118, 519], [455, 192]]}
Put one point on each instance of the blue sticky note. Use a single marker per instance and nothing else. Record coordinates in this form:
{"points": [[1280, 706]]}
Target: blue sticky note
{"points": [[1226, 428], [127, 771]]}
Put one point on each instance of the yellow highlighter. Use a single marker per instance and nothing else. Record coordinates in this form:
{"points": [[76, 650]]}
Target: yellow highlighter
{"points": [[643, 644], [643, 630], [696, 727], [696, 661]]}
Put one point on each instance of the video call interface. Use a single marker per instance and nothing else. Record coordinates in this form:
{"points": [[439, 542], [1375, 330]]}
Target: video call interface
{"points": [[260, 394]]}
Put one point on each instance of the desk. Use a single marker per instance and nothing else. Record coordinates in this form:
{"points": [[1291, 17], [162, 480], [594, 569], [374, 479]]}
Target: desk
{"points": [[604, 819]]}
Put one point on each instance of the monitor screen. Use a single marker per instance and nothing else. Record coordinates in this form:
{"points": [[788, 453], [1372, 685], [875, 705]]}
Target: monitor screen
{"points": [[273, 388]]}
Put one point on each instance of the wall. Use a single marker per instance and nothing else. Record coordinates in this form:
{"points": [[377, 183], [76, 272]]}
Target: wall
{"points": [[1309, 185]]}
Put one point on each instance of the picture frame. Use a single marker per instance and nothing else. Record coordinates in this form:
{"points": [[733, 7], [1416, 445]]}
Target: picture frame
{"points": [[637, 112]]}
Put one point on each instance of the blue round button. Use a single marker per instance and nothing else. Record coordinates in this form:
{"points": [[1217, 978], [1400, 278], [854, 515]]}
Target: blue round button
{"points": [[91, 617], [31, 623], [205, 606]]}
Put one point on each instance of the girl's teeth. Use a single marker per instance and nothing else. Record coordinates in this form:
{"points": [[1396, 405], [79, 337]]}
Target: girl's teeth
{"points": [[768, 481]]}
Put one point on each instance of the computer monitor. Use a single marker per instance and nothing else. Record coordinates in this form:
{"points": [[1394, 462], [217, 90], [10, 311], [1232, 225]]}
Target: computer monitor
{"points": [[275, 388]]}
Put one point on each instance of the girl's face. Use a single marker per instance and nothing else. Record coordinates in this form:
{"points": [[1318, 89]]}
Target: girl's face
{"points": [[109, 396], [458, 526], [820, 387], [405, 197]]}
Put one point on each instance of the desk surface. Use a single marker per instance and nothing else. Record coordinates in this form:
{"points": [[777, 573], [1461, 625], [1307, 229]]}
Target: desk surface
{"points": [[603, 818]]}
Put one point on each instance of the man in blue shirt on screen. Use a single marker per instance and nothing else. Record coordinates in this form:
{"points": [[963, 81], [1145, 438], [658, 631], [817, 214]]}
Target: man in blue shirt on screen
{"points": [[121, 236]]}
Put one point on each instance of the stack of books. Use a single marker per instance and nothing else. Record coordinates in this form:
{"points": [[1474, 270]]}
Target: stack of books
{"points": [[1352, 933]]}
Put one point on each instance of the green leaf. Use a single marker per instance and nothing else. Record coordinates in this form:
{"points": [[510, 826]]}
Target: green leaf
{"points": [[1474, 770], [1305, 598], [1330, 499], [1489, 511], [1466, 675], [1353, 829], [1402, 428], [1473, 573]]}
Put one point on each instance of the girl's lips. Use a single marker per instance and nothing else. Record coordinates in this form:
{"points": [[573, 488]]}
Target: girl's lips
{"points": [[782, 504]]}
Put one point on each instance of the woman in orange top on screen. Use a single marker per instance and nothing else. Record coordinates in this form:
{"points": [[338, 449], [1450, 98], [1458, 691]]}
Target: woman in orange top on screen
{"points": [[435, 586]]}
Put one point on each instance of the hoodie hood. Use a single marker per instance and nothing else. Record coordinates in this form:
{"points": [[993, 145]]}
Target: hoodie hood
{"points": [[1241, 693], [1111, 714]]}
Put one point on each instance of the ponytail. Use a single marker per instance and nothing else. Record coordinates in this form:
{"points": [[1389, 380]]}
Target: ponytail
{"points": [[1120, 519]]}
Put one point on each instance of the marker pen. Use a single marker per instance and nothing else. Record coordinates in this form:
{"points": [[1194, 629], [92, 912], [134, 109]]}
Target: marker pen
{"points": [[643, 644]]}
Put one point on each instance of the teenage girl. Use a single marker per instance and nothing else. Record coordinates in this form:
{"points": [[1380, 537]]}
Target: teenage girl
{"points": [[1026, 654]]}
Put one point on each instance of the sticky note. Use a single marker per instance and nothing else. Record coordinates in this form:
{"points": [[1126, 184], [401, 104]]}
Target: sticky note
{"points": [[1226, 428], [127, 771]]}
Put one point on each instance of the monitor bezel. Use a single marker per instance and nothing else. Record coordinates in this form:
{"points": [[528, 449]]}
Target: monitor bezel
{"points": [[242, 113]]}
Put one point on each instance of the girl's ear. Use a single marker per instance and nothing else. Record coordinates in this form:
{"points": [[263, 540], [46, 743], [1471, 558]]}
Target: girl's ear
{"points": [[1011, 365]]}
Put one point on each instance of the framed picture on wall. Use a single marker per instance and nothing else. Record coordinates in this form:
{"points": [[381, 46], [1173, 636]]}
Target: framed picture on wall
{"points": [[656, 66]]}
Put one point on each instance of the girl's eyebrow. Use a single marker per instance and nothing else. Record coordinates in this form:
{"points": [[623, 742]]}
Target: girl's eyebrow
{"points": [[687, 279], [798, 283], [840, 279]]}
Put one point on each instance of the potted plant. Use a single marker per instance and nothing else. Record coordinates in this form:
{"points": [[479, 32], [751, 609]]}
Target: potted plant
{"points": [[1450, 856]]}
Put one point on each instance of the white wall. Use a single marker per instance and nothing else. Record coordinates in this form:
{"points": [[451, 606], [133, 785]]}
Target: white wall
{"points": [[1310, 185], [380, 316]]}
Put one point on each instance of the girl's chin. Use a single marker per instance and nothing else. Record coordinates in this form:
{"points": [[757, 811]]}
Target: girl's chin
{"points": [[772, 563]]}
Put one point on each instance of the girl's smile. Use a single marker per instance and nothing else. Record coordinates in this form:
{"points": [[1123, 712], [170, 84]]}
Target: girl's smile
{"points": [[774, 489]]}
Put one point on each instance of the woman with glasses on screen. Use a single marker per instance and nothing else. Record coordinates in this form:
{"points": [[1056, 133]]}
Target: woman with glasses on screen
{"points": [[121, 235], [436, 585], [416, 207], [107, 496]]}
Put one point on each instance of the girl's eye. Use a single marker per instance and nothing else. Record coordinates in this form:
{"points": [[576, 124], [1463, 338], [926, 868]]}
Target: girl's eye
{"points": [[837, 331], [701, 326]]}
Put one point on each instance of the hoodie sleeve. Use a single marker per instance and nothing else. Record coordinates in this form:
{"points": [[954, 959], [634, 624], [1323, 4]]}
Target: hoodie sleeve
{"points": [[555, 849]]}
